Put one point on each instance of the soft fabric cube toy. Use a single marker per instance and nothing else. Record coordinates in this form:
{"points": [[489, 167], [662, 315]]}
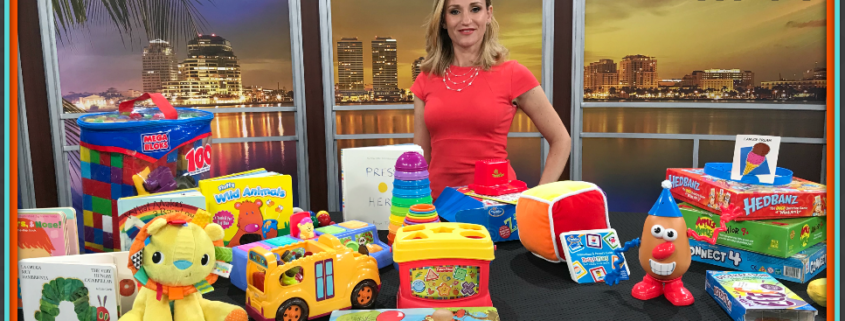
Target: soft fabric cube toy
{"points": [[547, 210]]}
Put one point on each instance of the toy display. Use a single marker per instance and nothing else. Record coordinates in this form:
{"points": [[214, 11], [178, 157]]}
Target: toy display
{"points": [[368, 176], [441, 314], [589, 254], [173, 259], [817, 290], [799, 268], [356, 235], [492, 178], [248, 204], [443, 265], [781, 238], [664, 252], [410, 187], [756, 296], [551, 209], [798, 198], [116, 146], [327, 276], [421, 214]]}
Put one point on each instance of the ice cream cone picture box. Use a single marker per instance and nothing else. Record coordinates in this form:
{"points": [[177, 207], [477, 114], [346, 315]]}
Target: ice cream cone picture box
{"points": [[755, 155]]}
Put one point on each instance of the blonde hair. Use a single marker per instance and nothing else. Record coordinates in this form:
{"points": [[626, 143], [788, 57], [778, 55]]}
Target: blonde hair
{"points": [[438, 45]]}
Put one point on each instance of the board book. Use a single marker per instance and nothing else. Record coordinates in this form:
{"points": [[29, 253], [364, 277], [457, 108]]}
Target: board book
{"points": [[250, 206], [590, 256], [135, 212]]}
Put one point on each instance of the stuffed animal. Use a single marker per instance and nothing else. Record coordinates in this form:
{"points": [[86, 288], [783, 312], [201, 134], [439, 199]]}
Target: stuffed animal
{"points": [[172, 259]]}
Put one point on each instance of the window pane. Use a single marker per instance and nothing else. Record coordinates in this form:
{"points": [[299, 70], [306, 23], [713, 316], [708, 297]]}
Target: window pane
{"points": [[630, 170], [378, 43], [786, 123], [280, 157], [804, 160], [525, 154], [749, 51], [401, 121], [75, 179], [229, 125], [239, 57]]}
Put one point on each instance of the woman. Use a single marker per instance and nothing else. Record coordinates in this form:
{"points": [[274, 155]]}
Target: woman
{"points": [[467, 94]]}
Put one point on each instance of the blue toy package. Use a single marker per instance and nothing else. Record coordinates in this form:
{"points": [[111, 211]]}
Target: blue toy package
{"points": [[590, 254], [756, 296], [499, 218], [799, 268]]}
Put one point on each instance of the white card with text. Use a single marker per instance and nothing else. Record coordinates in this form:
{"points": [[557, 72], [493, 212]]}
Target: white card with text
{"points": [[756, 155]]}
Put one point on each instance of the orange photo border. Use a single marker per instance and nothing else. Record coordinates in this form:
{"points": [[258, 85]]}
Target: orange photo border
{"points": [[13, 156]]}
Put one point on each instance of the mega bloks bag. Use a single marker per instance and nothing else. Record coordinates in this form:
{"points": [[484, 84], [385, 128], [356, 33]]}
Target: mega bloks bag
{"points": [[137, 151]]}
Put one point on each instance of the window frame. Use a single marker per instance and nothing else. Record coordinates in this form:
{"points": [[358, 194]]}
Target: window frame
{"points": [[330, 107], [57, 116], [578, 105]]}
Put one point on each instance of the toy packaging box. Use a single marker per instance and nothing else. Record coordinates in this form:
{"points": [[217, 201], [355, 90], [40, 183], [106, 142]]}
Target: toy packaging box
{"points": [[460, 314], [250, 206], [589, 254], [800, 268], [781, 238], [135, 212], [801, 198], [756, 296], [461, 205]]}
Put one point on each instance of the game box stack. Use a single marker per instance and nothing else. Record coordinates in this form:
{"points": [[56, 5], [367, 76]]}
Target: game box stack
{"points": [[780, 229]]}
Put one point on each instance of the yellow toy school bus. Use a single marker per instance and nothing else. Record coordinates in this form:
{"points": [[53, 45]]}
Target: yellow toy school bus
{"points": [[328, 276]]}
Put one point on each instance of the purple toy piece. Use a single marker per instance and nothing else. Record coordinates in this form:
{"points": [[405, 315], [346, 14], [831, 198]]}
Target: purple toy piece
{"points": [[160, 180], [411, 162]]}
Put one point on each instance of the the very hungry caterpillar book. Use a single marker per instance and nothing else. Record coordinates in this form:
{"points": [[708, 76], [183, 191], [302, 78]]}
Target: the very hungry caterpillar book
{"points": [[250, 206]]}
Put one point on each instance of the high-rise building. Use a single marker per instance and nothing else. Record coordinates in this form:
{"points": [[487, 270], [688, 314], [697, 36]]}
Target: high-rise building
{"points": [[350, 70], [416, 68], [719, 79], [600, 76], [210, 74], [158, 66], [638, 71], [385, 76]]}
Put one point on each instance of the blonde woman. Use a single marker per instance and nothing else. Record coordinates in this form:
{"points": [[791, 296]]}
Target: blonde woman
{"points": [[467, 94]]}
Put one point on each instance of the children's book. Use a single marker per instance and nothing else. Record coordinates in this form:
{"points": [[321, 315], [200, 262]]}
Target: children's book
{"points": [[92, 287], [427, 314], [135, 212], [46, 232], [250, 206], [590, 254], [366, 175]]}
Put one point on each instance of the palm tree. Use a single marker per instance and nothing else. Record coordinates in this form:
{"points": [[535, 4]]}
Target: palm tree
{"points": [[171, 20]]}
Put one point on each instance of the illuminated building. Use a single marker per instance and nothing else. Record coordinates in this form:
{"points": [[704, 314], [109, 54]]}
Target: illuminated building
{"points": [[601, 76], [92, 102], [638, 71], [385, 76], [158, 66], [350, 70], [719, 79], [416, 68], [211, 74]]}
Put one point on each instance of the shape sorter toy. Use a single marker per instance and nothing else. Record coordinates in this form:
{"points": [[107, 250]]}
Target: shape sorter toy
{"points": [[352, 234], [443, 265]]}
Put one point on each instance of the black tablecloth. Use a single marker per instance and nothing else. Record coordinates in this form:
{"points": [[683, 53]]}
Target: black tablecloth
{"points": [[524, 287]]}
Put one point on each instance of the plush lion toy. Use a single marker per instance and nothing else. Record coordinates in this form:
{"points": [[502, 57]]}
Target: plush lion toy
{"points": [[172, 258]]}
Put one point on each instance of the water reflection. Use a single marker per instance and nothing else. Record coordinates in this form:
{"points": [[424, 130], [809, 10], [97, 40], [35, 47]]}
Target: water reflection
{"points": [[401, 121]]}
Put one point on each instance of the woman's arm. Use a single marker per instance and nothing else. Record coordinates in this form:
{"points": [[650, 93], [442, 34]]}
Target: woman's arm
{"points": [[421, 136], [537, 107]]}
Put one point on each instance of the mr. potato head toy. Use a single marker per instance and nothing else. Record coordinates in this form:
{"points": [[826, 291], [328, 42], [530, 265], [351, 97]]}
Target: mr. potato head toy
{"points": [[665, 251]]}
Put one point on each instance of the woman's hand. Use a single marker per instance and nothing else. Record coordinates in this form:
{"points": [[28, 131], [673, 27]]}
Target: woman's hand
{"points": [[421, 136], [536, 105]]}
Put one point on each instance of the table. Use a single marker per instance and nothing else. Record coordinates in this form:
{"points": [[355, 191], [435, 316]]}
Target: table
{"points": [[524, 287]]}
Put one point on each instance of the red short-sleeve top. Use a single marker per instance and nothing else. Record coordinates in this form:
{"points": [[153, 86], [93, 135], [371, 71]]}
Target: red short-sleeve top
{"points": [[472, 124]]}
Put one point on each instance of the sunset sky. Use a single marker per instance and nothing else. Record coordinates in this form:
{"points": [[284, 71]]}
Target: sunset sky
{"points": [[766, 37]]}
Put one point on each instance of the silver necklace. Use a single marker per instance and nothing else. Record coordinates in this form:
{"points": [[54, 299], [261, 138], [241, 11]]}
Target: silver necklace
{"points": [[449, 75]]}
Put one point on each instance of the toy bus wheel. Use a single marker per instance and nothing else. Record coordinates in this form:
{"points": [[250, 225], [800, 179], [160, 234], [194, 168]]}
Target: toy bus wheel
{"points": [[293, 310], [364, 295]]}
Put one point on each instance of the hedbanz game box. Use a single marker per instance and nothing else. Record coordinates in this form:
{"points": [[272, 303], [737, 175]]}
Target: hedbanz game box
{"points": [[800, 198]]}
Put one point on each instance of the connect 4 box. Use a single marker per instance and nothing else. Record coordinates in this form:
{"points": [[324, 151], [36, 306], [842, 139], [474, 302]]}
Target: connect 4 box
{"points": [[781, 238], [800, 268], [801, 198]]}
